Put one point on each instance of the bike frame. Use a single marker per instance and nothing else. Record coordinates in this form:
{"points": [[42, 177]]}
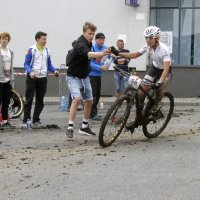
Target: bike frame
{"points": [[119, 112], [135, 96]]}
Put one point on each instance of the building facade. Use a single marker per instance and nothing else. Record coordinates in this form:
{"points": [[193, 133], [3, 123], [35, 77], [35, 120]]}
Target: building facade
{"points": [[124, 19], [180, 17]]}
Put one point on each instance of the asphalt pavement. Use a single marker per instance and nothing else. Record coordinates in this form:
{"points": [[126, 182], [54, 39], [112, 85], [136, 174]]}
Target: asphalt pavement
{"points": [[45, 164]]}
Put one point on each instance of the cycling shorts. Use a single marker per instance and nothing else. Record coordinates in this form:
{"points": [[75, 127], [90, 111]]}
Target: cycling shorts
{"points": [[155, 73]]}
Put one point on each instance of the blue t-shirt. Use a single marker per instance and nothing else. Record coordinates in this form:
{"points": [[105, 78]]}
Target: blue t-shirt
{"points": [[96, 63]]}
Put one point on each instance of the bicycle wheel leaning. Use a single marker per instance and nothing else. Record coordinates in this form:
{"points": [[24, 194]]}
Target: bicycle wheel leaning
{"points": [[156, 122], [17, 103], [114, 121]]}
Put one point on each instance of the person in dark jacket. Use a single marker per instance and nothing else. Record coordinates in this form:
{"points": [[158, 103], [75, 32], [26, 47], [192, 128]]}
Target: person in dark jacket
{"points": [[122, 63], [78, 62]]}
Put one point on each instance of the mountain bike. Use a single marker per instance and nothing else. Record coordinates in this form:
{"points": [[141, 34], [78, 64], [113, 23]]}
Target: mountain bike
{"points": [[153, 121], [16, 103]]}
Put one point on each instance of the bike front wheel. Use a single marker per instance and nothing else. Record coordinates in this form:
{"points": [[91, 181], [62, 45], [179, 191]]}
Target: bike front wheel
{"points": [[17, 104], [114, 121], [157, 121]]}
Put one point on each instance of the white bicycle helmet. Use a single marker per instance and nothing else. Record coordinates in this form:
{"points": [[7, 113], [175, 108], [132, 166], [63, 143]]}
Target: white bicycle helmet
{"points": [[151, 31]]}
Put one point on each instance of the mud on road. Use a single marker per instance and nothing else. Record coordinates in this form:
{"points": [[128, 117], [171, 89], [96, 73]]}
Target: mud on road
{"points": [[45, 164]]}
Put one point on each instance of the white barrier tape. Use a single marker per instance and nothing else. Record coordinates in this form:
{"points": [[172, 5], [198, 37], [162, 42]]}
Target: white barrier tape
{"points": [[24, 74]]}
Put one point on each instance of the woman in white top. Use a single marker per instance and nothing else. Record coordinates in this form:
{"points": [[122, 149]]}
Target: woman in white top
{"points": [[6, 75]]}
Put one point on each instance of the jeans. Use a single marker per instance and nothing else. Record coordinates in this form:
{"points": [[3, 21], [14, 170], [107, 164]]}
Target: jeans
{"points": [[80, 87], [119, 79]]}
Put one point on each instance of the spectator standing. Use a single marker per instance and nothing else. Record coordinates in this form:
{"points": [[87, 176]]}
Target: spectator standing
{"points": [[122, 63], [78, 80], [6, 75], [37, 63], [95, 75]]}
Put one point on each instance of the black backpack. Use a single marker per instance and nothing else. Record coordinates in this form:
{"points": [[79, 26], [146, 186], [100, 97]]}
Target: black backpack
{"points": [[72, 59], [69, 58]]}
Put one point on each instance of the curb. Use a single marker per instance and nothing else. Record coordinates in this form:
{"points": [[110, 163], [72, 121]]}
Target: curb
{"points": [[110, 100]]}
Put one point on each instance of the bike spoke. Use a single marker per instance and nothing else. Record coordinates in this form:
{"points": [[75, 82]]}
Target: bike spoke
{"points": [[114, 121], [17, 104], [157, 121]]}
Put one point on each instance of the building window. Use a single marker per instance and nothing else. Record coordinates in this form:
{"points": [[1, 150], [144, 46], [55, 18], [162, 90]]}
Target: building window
{"points": [[181, 18]]}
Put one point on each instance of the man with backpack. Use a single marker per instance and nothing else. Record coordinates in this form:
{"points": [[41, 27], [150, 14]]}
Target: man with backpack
{"points": [[37, 63], [78, 61]]}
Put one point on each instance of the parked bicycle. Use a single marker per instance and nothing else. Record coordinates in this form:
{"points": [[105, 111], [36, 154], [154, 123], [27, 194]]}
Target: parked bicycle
{"points": [[16, 103], [153, 121]]}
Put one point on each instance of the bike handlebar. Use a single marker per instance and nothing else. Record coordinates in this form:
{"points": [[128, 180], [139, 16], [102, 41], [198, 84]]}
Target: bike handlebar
{"points": [[152, 85], [122, 71]]}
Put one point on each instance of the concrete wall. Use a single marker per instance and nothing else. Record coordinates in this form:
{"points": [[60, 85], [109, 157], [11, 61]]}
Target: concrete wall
{"points": [[185, 83], [63, 21]]}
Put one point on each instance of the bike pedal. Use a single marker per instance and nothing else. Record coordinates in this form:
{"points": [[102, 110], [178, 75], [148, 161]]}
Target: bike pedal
{"points": [[132, 130]]}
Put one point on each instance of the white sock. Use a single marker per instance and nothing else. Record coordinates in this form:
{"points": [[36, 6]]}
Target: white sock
{"points": [[71, 124], [85, 123]]}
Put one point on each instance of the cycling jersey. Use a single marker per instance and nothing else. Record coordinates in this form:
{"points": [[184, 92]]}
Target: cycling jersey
{"points": [[159, 55]]}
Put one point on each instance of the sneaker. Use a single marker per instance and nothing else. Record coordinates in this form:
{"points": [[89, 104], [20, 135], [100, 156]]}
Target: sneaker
{"points": [[69, 133], [96, 118], [86, 131], [38, 124], [23, 125], [7, 125]]}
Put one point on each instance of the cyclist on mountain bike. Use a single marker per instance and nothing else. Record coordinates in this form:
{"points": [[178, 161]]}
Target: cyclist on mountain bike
{"points": [[160, 71]]}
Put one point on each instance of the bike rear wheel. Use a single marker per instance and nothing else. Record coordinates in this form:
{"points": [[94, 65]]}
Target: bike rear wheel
{"points": [[114, 121], [17, 103], [156, 122]]}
